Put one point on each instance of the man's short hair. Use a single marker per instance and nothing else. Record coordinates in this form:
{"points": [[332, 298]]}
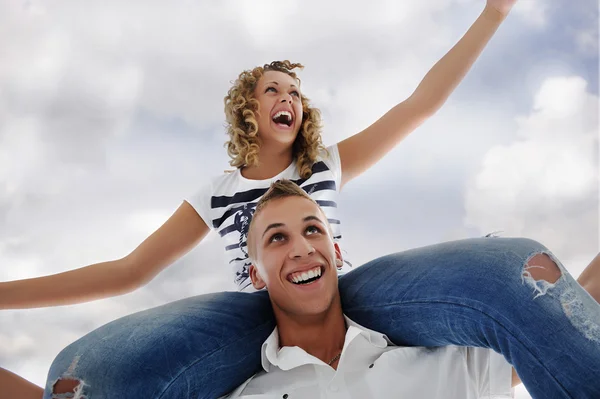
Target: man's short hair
{"points": [[280, 189]]}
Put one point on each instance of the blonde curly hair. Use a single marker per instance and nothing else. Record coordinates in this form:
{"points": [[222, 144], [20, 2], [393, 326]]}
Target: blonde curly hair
{"points": [[242, 126]]}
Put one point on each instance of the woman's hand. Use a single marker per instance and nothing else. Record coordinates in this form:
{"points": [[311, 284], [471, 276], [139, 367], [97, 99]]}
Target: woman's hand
{"points": [[502, 6]]}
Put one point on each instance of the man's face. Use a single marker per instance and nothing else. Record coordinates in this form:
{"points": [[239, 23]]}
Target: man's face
{"points": [[292, 244]]}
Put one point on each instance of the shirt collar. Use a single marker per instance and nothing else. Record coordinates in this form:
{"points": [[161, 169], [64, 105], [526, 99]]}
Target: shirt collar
{"points": [[288, 357]]}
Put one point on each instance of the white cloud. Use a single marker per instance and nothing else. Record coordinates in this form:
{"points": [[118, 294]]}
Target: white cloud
{"points": [[587, 41], [291, 21], [17, 345], [21, 152], [534, 12], [545, 184], [147, 221]]}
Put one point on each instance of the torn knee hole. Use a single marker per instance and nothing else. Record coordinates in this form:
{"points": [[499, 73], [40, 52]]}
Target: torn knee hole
{"points": [[65, 386], [542, 267]]}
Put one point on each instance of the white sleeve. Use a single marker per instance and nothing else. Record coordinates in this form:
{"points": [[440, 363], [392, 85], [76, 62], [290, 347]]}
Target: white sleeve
{"points": [[491, 373], [334, 163], [200, 201]]}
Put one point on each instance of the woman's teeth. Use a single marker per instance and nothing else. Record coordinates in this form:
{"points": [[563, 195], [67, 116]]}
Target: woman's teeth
{"points": [[283, 118]]}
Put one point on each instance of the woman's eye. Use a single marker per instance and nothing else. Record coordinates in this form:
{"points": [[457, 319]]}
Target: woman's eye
{"points": [[271, 88], [296, 93], [276, 237]]}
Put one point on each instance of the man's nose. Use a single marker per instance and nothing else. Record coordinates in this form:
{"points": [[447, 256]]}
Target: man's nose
{"points": [[301, 247]]}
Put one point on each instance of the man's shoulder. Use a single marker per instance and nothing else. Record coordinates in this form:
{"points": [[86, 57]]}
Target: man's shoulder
{"points": [[248, 387], [375, 337]]}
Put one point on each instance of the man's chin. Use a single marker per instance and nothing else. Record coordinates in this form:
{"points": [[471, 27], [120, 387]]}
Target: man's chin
{"points": [[314, 307], [309, 314]]}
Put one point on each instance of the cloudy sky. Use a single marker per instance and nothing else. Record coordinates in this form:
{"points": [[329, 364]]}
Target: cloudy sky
{"points": [[111, 113]]}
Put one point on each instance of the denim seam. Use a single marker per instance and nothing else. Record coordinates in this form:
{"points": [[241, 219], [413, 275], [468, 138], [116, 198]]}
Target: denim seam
{"points": [[209, 354], [470, 307]]}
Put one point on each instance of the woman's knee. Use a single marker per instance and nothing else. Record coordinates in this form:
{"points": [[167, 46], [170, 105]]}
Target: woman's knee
{"points": [[542, 267], [67, 388]]}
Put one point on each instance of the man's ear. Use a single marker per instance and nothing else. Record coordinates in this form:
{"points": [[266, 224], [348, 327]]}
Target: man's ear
{"points": [[339, 261], [256, 279]]}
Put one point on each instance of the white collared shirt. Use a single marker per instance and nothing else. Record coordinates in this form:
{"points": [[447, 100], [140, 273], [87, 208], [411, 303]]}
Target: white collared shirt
{"points": [[371, 367]]}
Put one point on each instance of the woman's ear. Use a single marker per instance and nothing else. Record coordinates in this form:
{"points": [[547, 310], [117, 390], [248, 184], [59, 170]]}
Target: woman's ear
{"points": [[256, 279]]}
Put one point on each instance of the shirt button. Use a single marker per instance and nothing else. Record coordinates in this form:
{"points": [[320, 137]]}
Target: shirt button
{"points": [[333, 388], [371, 365], [285, 395]]}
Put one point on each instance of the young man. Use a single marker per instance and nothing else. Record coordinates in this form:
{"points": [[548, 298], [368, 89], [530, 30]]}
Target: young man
{"points": [[315, 349]]}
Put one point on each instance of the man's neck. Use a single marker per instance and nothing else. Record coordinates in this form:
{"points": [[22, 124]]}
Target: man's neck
{"points": [[322, 336]]}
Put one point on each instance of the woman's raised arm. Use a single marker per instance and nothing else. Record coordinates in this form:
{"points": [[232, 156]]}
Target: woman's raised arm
{"points": [[178, 235], [363, 150]]}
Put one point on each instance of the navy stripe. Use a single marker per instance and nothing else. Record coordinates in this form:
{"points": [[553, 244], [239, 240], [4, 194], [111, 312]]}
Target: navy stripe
{"points": [[310, 188], [227, 230], [322, 185], [331, 204], [319, 167], [251, 195], [241, 197], [234, 246]]}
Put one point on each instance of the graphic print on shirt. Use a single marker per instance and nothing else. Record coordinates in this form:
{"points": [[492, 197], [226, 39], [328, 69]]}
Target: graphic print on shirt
{"points": [[231, 216], [241, 221], [242, 224]]}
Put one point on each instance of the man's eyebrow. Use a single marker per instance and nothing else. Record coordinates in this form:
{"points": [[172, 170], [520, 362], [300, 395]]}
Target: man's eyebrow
{"points": [[272, 226], [278, 84], [276, 225]]}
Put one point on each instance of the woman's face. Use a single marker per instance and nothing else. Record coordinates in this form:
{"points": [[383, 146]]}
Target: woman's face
{"points": [[280, 113]]}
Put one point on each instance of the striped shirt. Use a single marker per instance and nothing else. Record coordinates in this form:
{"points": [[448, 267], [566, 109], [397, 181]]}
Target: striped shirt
{"points": [[227, 203]]}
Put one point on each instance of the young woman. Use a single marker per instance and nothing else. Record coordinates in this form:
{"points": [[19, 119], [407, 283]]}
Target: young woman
{"points": [[205, 346]]}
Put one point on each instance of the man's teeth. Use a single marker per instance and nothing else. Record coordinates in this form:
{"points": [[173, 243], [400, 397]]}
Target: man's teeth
{"points": [[299, 278]]}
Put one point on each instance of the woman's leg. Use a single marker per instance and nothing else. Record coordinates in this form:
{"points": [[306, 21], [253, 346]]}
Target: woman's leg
{"points": [[13, 386], [200, 347], [590, 278], [483, 292]]}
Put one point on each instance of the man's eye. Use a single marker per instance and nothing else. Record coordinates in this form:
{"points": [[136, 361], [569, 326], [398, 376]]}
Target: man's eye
{"points": [[313, 229]]}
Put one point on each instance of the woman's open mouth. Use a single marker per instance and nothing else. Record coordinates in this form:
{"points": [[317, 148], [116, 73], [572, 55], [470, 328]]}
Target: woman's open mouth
{"points": [[283, 119]]}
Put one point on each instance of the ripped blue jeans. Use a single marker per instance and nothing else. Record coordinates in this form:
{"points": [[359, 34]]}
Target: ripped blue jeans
{"points": [[475, 292]]}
